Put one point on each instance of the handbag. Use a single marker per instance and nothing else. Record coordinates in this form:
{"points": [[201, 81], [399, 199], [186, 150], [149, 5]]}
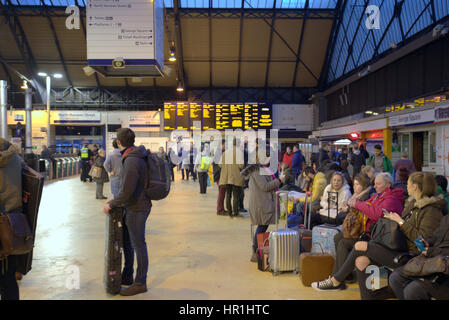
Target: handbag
{"points": [[95, 172], [353, 225], [423, 266], [388, 234], [15, 235]]}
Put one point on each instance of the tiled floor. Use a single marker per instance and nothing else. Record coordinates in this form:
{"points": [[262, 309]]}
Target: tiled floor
{"points": [[193, 253]]}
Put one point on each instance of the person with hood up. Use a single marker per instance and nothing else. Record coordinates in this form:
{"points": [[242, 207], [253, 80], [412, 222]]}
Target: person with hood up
{"points": [[10, 201], [330, 206], [137, 208], [262, 199], [379, 161]]}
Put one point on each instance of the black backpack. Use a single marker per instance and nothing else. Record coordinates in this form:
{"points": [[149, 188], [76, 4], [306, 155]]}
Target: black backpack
{"points": [[158, 179]]}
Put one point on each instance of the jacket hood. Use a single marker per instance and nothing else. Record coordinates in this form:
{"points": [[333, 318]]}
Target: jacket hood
{"points": [[249, 169], [138, 152], [435, 201], [7, 152], [397, 193]]}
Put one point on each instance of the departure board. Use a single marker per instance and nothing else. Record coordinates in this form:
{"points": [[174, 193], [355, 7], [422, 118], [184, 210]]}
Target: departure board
{"points": [[195, 115], [208, 116], [170, 116], [182, 113], [221, 116]]}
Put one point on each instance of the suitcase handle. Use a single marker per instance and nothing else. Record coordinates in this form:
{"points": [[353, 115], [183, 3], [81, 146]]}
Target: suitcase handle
{"points": [[313, 243]]}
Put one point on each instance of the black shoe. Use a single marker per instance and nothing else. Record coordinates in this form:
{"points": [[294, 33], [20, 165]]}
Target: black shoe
{"points": [[222, 213], [243, 210]]}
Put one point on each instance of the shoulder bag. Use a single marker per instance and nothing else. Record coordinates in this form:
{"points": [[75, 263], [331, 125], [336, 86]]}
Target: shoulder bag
{"points": [[388, 234]]}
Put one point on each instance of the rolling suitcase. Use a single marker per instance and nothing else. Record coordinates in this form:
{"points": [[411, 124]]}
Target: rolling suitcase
{"points": [[305, 234], [283, 246], [323, 236], [113, 251]]}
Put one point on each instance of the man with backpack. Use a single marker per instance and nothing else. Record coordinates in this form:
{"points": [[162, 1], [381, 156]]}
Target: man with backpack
{"points": [[137, 207]]}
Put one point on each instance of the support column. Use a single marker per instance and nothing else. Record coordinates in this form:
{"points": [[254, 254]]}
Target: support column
{"points": [[388, 137], [28, 126], [48, 114], [3, 104]]}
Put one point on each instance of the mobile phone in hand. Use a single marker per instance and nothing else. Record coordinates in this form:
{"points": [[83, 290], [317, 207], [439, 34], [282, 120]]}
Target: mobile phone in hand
{"points": [[420, 244]]}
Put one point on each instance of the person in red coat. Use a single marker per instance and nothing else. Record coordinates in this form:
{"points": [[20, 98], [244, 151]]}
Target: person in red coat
{"points": [[288, 156]]}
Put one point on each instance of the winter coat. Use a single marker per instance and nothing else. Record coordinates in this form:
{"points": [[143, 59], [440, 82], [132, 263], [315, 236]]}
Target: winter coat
{"points": [[319, 183], [446, 198], [324, 155], [390, 199], [343, 196], [10, 178], [387, 166], [288, 159], [230, 172], [297, 162], [99, 162], [262, 196], [132, 181], [439, 240], [421, 218], [404, 164], [357, 160]]}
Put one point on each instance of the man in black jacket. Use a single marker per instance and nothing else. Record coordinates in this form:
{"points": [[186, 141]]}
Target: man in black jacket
{"points": [[10, 201], [137, 208]]}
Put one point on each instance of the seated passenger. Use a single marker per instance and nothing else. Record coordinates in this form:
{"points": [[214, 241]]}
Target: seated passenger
{"points": [[335, 197], [421, 217], [344, 241], [344, 164], [421, 287], [289, 179], [318, 184], [371, 173]]}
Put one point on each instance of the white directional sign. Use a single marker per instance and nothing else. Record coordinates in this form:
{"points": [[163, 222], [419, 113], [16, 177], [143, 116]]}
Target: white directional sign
{"points": [[126, 30]]}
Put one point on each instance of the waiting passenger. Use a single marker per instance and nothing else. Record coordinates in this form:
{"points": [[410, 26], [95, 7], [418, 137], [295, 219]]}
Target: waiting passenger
{"points": [[113, 165], [422, 287], [297, 161], [137, 208], [421, 217], [202, 163], [379, 161], [10, 201], [335, 196], [403, 163], [354, 225], [262, 200], [100, 181]]}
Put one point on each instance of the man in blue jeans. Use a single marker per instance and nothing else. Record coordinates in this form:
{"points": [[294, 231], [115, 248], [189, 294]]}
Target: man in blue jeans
{"points": [[137, 208]]}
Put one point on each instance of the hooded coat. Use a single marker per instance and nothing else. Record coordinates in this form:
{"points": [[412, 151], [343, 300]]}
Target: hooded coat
{"points": [[262, 196], [10, 178], [421, 218], [132, 181]]}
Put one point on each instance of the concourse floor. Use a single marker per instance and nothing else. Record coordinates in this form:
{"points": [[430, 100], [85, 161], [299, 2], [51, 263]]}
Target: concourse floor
{"points": [[193, 253]]}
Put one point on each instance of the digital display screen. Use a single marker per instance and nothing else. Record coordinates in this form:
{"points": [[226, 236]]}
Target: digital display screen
{"points": [[208, 116], [220, 116], [169, 116], [196, 113], [182, 113]]}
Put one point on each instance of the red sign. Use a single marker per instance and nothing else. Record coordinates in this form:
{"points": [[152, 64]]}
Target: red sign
{"points": [[354, 135]]}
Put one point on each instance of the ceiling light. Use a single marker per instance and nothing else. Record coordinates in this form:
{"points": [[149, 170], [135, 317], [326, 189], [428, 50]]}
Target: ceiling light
{"points": [[42, 74], [57, 75], [375, 114], [88, 71], [180, 88], [368, 112], [172, 57], [24, 85]]}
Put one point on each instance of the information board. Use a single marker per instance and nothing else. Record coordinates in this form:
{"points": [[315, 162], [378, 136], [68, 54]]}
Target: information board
{"points": [[182, 116], [195, 115], [169, 116], [208, 116], [220, 116]]}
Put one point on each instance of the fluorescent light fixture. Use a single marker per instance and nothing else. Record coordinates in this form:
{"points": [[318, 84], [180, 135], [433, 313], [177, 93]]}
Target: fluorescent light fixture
{"points": [[42, 74], [375, 114], [57, 75], [343, 142], [180, 88], [368, 112]]}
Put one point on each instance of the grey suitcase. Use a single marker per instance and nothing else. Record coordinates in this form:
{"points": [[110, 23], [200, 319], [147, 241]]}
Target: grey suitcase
{"points": [[284, 246]]}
